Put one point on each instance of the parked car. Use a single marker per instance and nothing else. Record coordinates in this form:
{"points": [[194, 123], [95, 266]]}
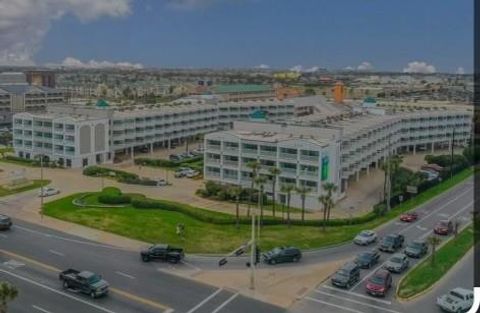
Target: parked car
{"points": [[182, 172], [409, 217], [456, 300], [397, 263], [379, 283], [347, 276], [162, 252], [392, 243], [191, 173], [174, 157], [85, 282], [161, 182], [417, 249], [367, 259], [444, 228], [5, 222], [48, 191], [282, 255], [365, 238]]}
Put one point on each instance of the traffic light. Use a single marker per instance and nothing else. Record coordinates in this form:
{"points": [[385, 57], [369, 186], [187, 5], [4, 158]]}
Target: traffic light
{"points": [[257, 255]]}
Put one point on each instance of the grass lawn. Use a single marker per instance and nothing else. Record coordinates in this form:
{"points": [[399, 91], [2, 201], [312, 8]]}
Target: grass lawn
{"points": [[425, 275], [36, 184], [156, 225]]}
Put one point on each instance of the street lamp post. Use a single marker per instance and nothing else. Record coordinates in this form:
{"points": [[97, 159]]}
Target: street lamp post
{"points": [[41, 186], [252, 254]]}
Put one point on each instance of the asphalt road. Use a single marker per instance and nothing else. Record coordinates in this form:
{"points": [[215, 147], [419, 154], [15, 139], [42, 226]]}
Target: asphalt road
{"points": [[455, 204], [137, 286]]}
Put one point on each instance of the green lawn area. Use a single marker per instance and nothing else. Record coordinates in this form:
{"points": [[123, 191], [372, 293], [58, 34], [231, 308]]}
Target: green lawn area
{"points": [[157, 225], [425, 275], [36, 184]]}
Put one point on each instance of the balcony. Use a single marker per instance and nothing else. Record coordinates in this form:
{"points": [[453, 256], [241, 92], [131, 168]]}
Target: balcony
{"points": [[309, 158], [309, 174], [288, 156], [213, 147], [212, 161], [230, 163], [249, 151]]}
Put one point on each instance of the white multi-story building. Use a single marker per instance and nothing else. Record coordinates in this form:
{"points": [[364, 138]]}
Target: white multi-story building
{"points": [[70, 134], [334, 152]]}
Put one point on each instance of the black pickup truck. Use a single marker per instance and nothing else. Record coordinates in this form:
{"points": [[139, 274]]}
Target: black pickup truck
{"points": [[86, 282], [162, 252]]}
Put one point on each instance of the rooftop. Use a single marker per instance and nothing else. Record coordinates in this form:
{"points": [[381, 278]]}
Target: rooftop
{"points": [[241, 88]]}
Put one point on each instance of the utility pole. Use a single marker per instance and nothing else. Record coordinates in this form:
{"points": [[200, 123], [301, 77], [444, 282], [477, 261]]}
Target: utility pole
{"points": [[451, 152], [252, 253], [41, 186], [389, 182]]}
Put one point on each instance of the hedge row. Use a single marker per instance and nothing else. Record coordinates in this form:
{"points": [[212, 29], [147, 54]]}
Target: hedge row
{"points": [[114, 199], [121, 176], [167, 163]]}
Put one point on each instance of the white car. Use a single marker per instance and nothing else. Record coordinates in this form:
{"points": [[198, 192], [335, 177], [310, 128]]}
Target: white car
{"points": [[161, 182], [191, 173], [365, 238], [48, 191], [457, 300]]}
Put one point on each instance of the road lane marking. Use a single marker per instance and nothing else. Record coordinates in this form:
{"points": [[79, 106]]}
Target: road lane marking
{"points": [[205, 300], [40, 309], [3, 236], [13, 264], [357, 302], [56, 253], [357, 295], [224, 304], [333, 305], [25, 279], [113, 290], [443, 215], [125, 275], [421, 228], [435, 211], [196, 268]]}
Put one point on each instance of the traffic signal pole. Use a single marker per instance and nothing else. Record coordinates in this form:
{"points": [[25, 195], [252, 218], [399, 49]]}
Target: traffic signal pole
{"points": [[252, 254]]}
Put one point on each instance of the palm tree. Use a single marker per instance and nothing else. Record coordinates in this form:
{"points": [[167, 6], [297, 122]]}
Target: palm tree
{"points": [[287, 189], [330, 188], [326, 202], [274, 171], [434, 241], [8, 293], [255, 167], [303, 191], [235, 192], [394, 162], [260, 182]]}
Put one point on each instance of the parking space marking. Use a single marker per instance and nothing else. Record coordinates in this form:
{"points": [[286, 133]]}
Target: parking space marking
{"points": [[357, 295], [224, 304], [125, 275], [3, 236], [357, 302], [205, 300], [56, 253], [333, 305], [421, 228], [443, 215], [40, 309]]}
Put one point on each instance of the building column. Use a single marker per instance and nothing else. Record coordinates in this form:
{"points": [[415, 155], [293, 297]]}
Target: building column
{"points": [[433, 147], [414, 149], [169, 144], [345, 184], [357, 176], [376, 164], [132, 154], [151, 148]]}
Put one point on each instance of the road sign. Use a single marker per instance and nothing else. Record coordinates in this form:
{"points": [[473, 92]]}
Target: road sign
{"points": [[412, 189]]}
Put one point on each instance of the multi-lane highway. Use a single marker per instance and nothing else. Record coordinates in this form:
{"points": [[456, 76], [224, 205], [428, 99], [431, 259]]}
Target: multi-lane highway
{"points": [[455, 204], [31, 257]]}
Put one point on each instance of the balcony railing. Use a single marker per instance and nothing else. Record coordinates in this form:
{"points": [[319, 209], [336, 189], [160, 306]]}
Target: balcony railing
{"points": [[288, 156]]}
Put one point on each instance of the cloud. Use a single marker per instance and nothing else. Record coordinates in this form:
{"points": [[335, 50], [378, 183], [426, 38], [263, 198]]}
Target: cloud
{"points": [[419, 67], [460, 71], [365, 66], [263, 67], [93, 64], [24, 23], [349, 68], [300, 68]]}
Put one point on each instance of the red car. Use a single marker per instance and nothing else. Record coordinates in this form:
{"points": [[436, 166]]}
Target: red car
{"points": [[444, 228], [409, 217], [379, 283]]}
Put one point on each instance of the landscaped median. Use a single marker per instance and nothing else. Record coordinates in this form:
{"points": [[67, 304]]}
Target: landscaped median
{"points": [[425, 275], [35, 184], [153, 220]]}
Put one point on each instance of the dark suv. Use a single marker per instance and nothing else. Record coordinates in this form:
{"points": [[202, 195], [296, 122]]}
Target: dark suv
{"points": [[282, 255], [5, 222], [391, 243], [346, 276], [416, 249]]}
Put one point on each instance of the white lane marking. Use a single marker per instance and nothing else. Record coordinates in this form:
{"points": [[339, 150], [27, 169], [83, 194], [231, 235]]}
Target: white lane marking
{"points": [[13, 264], [421, 228], [357, 302], [443, 215], [224, 304], [357, 295], [333, 305], [93, 244], [196, 268], [56, 253], [435, 211], [40, 309], [3, 236], [399, 223], [205, 300], [125, 275], [57, 291]]}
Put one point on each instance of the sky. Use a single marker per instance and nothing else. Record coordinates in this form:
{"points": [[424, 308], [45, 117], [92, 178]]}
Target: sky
{"points": [[304, 35]]}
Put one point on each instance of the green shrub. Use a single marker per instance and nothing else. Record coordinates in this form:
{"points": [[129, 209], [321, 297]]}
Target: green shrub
{"points": [[114, 199]]}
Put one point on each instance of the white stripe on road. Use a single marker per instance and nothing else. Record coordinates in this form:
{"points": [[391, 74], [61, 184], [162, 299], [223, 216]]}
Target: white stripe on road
{"points": [[56, 253], [40, 309], [196, 268], [357, 295], [205, 300], [224, 304], [3, 236], [443, 215], [357, 302], [125, 275], [334, 305], [57, 291], [421, 228]]}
